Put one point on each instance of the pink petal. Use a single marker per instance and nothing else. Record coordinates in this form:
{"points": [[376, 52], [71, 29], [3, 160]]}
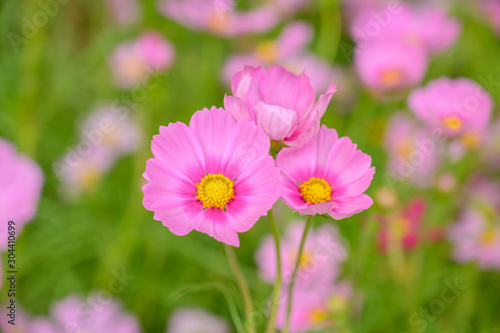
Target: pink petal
{"points": [[215, 223], [212, 127], [246, 144], [349, 206], [237, 108], [276, 121]]}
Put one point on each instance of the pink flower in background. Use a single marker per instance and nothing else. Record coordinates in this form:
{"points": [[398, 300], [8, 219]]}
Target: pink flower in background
{"points": [[21, 182], [190, 320], [282, 103], [288, 50], [476, 237], [425, 27], [23, 323], [491, 10], [455, 107], [125, 12], [328, 175], [413, 154], [113, 128], [476, 234], [79, 173], [403, 227], [389, 65], [132, 62], [105, 135], [215, 176], [220, 17], [322, 255], [317, 309], [91, 315]]}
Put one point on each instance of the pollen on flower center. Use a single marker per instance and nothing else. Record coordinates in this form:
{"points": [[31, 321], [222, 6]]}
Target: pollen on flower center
{"points": [[215, 191], [489, 237], [391, 77], [267, 51], [316, 190], [453, 123]]}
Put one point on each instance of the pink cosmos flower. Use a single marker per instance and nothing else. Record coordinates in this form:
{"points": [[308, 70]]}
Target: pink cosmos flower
{"points": [[281, 102], [413, 153], [322, 255], [455, 107], [476, 237], [214, 176], [196, 320], [491, 10], [132, 62], [288, 50], [93, 315], [219, 17], [125, 12], [21, 182], [403, 227], [326, 176], [425, 27], [389, 65], [113, 128], [82, 172], [318, 309]]}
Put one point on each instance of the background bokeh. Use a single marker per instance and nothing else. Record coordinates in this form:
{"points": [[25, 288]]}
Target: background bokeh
{"points": [[50, 82]]}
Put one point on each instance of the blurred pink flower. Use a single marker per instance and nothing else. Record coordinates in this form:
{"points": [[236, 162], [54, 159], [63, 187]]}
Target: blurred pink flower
{"points": [[219, 17], [316, 309], [403, 227], [92, 315], [328, 175], [190, 320], [132, 62], [389, 65], [125, 12], [424, 26], [81, 172], [491, 10], [288, 50], [322, 255], [413, 154], [455, 107], [21, 182], [476, 237], [282, 103], [113, 128], [214, 176]]}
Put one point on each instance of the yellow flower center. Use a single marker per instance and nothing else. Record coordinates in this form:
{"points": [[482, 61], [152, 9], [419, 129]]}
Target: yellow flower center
{"points": [[471, 140], [267, 51], [391, 77], [89, 176], [453, 123], [317, 316], [489, 237], [306, 259], [316, 190], [215, 191], [400, 227], [404, 148]]}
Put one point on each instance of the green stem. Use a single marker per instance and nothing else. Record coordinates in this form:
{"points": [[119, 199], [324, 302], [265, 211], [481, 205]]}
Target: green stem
{"points": [[277, 283], [296, 268], [242, 285]]}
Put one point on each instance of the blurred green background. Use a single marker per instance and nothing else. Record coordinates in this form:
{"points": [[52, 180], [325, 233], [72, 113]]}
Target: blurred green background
{"points": [[53, 79]]}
